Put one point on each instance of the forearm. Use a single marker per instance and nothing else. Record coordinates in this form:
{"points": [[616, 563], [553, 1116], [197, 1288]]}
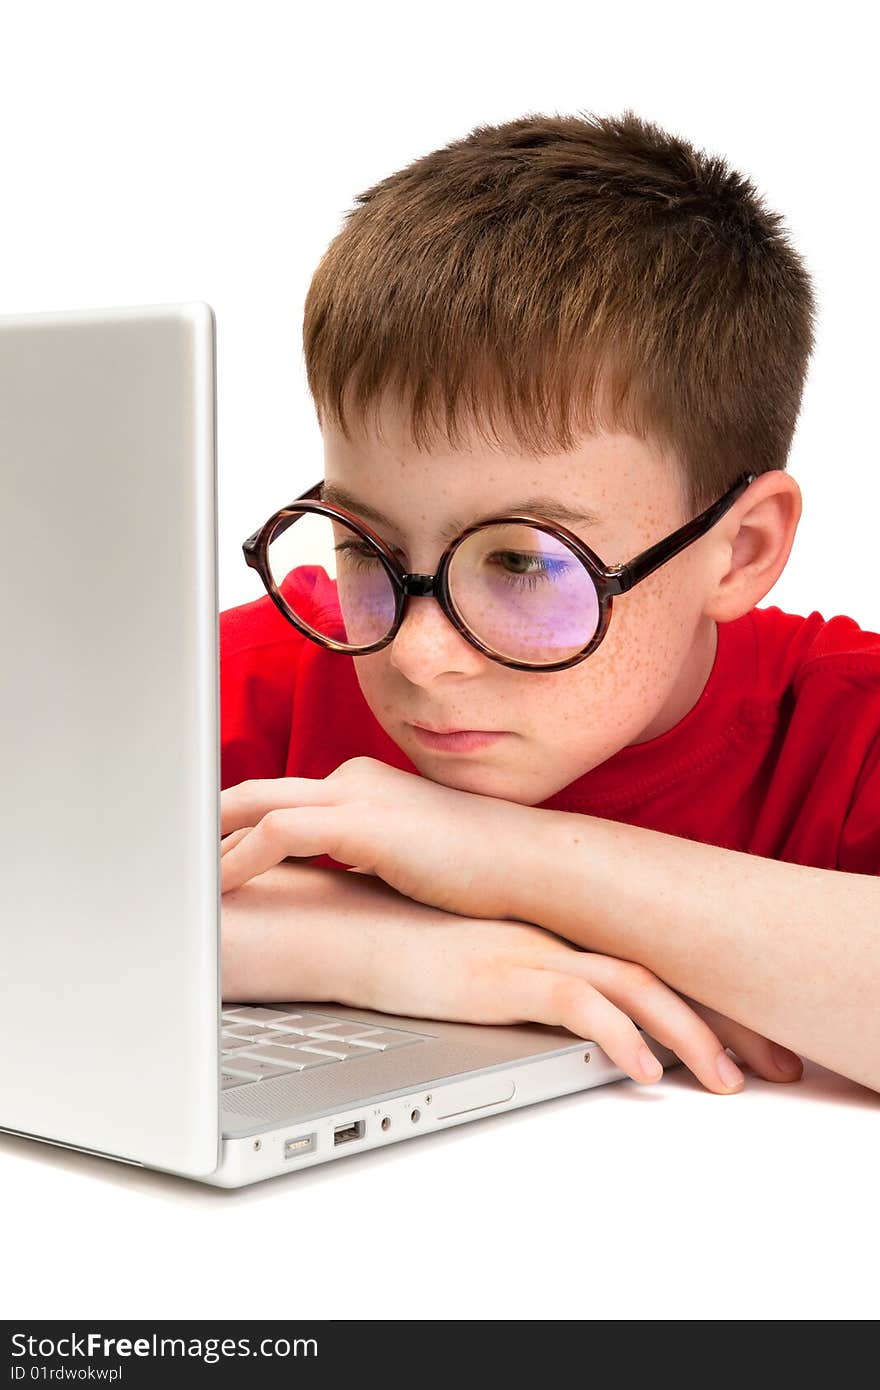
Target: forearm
{"points": [[271, 949], [297, 932], [790, 951]]}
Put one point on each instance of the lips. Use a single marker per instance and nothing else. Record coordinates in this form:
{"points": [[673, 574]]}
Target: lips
{"points": [[461, 741], [429, 728]]}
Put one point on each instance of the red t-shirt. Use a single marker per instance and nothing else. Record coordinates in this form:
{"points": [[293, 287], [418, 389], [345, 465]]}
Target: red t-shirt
{"points": [[780, 755]]}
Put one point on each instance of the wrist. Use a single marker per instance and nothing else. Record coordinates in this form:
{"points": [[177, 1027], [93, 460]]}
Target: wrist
{"points": [[547, 836], [560, 881]]}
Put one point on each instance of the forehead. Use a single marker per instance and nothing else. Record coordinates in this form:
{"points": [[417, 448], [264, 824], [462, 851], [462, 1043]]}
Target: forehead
{"points": [[608, 482], [542, 505]]}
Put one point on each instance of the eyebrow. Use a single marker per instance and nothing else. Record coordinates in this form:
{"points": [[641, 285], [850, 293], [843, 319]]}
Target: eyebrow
{"points": [[540, 506]]}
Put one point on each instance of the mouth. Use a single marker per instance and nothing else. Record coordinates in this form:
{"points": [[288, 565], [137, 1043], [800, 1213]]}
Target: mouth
{"points": [[430, 729], [457, 740]]}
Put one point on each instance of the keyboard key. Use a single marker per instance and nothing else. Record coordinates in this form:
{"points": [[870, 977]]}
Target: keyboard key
{"points": [[275, 1035], [255, 1015], [232, 1044], [303, 1023], [331, 1048], [281, 1056], [293, 1058], [251, 1069], [252, 1033], [369, 1030], [343, 1029], [383, 1041], [227, 1068]]}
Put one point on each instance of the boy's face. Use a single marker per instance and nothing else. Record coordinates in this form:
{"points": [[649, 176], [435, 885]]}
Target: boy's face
{"points": [[646, 674]]}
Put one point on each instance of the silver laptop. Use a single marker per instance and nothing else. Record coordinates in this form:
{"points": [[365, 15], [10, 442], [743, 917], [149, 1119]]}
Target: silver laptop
{"points": [[111, 1021]]}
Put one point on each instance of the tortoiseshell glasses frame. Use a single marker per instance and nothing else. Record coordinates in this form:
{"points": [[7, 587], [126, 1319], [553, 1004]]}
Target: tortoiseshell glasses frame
{"points": [[608, 581]]}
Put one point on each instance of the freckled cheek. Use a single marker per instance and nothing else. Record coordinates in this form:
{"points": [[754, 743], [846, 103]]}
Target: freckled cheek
{"points": [[380, 689], [633, 662]]}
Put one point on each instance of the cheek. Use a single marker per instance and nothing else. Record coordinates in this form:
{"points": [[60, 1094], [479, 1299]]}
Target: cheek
{"points": [[634, 650], [631, 669], [648, 639]]}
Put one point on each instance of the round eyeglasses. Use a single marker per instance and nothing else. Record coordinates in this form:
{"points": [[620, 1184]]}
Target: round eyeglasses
{"points": [[523, 590]]}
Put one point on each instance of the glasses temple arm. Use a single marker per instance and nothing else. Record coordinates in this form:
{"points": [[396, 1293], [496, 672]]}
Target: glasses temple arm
{"points": [[625, 577]]}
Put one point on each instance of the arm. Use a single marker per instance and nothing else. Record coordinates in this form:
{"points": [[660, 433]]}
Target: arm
{"points": [[302, 933], [790, 951]]}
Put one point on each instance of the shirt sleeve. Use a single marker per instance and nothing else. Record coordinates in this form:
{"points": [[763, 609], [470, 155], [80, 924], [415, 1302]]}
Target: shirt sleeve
{"points": [[837, 710], [860, 836], [259, 654]]}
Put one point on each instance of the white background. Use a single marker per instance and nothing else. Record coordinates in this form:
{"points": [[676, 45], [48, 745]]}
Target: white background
{"points": [[155, 152]]}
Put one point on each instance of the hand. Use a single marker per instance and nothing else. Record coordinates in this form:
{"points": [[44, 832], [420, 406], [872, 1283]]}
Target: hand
{"points": [[435, 844], [305, 934]]}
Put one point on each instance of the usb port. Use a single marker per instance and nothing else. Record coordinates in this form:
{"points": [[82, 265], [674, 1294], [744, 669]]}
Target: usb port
{"points": [[302, 1144], [353, 1130]]}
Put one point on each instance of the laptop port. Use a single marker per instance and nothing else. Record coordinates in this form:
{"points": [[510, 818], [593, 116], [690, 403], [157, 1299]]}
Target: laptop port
{"points": [[353, 1130], [302, 1144]]}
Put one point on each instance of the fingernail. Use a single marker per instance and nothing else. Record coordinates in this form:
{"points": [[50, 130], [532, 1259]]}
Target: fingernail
{"points": [[651, 1065], [729, 1072], [786, 1061]]}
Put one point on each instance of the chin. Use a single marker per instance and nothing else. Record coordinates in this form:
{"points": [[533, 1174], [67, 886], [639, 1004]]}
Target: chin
{"points": [[482, 781]]}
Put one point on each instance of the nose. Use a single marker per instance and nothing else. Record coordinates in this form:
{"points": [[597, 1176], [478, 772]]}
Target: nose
{"points": [[427, 644]]}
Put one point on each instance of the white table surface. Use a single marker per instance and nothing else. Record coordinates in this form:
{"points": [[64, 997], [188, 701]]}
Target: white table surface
{"points": [[619, 1202]]}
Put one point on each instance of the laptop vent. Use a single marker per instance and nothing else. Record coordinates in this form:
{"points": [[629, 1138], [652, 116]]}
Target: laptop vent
{"points": [[322, 1089]]}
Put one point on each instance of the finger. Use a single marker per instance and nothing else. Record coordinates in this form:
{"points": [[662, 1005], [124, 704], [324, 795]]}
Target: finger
{"points": [[248, 802], [651, 1003], [233, 839], [555, 997], [766, 1059], [297, 833]]}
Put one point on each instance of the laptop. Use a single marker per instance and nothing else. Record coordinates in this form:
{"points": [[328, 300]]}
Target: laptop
{"points": [[110, 904]]}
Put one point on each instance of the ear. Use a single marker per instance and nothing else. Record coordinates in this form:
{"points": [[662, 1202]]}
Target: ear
{"points": [[752, 543]]}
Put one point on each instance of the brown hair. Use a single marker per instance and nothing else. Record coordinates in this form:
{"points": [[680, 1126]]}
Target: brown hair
{"points": [[565, 275]]}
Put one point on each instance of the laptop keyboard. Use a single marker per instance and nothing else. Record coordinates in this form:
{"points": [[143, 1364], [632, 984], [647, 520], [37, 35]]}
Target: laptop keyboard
{"points": [[259, 1043]]}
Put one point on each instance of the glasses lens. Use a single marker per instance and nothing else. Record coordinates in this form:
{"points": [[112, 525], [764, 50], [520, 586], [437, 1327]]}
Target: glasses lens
{"points": [[365, 610], [524, 593]]}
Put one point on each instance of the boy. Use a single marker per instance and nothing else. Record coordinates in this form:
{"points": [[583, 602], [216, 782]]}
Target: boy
{"points": [[670, 815]]}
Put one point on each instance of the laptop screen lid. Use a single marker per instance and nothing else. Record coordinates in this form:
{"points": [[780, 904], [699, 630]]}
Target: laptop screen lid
{"points": [[109, 746]]}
